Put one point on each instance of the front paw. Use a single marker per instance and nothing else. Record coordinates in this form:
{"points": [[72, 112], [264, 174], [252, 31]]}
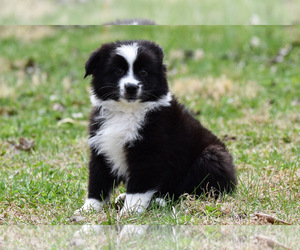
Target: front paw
{"points": [[90, 205], [120, 198], [126, 210], [136, 202]]}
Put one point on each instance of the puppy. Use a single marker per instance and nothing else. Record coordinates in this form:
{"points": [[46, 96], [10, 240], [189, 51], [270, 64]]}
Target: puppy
{"points": [[140, 135]]}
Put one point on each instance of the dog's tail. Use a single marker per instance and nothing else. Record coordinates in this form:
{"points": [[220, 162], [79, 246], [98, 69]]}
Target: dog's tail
{"points": [[213, 173]]}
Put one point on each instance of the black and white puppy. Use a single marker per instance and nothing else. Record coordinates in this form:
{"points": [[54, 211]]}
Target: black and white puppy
{"points": [[141, 135]]}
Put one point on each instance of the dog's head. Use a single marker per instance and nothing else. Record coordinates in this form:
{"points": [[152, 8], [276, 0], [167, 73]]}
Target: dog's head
{"points": [[131, 71]]}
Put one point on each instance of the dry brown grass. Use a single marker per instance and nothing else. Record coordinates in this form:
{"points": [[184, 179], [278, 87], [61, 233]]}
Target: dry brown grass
{"points": [[214, 88]]}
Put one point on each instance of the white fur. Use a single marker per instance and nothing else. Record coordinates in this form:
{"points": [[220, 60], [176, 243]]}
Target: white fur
{"points": [[122, 121], [120, 197], [160, 201], [129, 78], [89, 205], [129, 52], [137, 202]]}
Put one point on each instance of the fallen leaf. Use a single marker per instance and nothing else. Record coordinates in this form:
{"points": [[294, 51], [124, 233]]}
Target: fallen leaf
{"points": [[71, 121], [66, 120], [271, 219], [25, 144]]}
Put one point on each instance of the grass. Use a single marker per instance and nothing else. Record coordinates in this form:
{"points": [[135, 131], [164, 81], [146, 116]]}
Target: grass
{"points": [[170, 12], [254, 108], [157, 237]]}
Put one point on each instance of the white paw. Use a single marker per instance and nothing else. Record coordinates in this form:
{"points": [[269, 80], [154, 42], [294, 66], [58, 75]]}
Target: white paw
{"points": [[136, 203], [90, 205], [120, 197], [161, 202], [134, 209]]}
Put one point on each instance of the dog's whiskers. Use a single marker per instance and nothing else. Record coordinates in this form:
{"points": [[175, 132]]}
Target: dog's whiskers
{"points": [[148, 94]]}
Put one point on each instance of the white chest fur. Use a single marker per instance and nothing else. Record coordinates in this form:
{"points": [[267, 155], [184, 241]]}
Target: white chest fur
{"points": [[117, 129], [121, 124]]}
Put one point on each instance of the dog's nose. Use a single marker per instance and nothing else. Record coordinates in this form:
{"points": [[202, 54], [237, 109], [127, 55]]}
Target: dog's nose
{"points": [[131, 88]]}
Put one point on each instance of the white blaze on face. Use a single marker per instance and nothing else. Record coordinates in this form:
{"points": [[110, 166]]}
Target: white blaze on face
{"points": [[129, 53]]}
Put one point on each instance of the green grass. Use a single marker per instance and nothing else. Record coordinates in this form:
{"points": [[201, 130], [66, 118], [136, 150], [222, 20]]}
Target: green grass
{"points": [[257, 115], [150, 237], [168, 12]]}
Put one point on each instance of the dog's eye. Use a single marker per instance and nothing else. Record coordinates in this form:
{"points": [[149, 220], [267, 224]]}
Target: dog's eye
{"points": [[119, 71], [143, 72]]}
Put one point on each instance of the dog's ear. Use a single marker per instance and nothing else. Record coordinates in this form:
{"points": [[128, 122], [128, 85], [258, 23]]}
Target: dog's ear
{"points": [[97, 58], [91, 63], [160, 53]]}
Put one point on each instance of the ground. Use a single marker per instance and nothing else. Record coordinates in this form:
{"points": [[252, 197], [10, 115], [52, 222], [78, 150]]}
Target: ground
{"points": [[242, 82]]}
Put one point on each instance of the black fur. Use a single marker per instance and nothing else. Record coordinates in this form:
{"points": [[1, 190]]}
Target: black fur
{"points": [[175, 154]]}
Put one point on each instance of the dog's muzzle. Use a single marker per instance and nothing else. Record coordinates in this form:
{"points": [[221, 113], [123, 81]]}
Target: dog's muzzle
{"points": [[131, 91]]}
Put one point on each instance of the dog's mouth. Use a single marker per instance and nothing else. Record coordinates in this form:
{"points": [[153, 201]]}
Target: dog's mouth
{"points": [[129, 98], [131, 92]]}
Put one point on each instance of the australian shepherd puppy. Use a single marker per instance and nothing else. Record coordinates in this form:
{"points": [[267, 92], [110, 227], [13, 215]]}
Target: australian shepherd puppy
{"points": [[140, 135]]}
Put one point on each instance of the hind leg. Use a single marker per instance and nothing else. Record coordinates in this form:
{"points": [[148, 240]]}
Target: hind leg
{"points": [[212, 172]]}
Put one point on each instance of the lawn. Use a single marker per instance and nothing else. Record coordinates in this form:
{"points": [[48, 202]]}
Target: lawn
{"points": [[168, 12], [242, 82]]}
